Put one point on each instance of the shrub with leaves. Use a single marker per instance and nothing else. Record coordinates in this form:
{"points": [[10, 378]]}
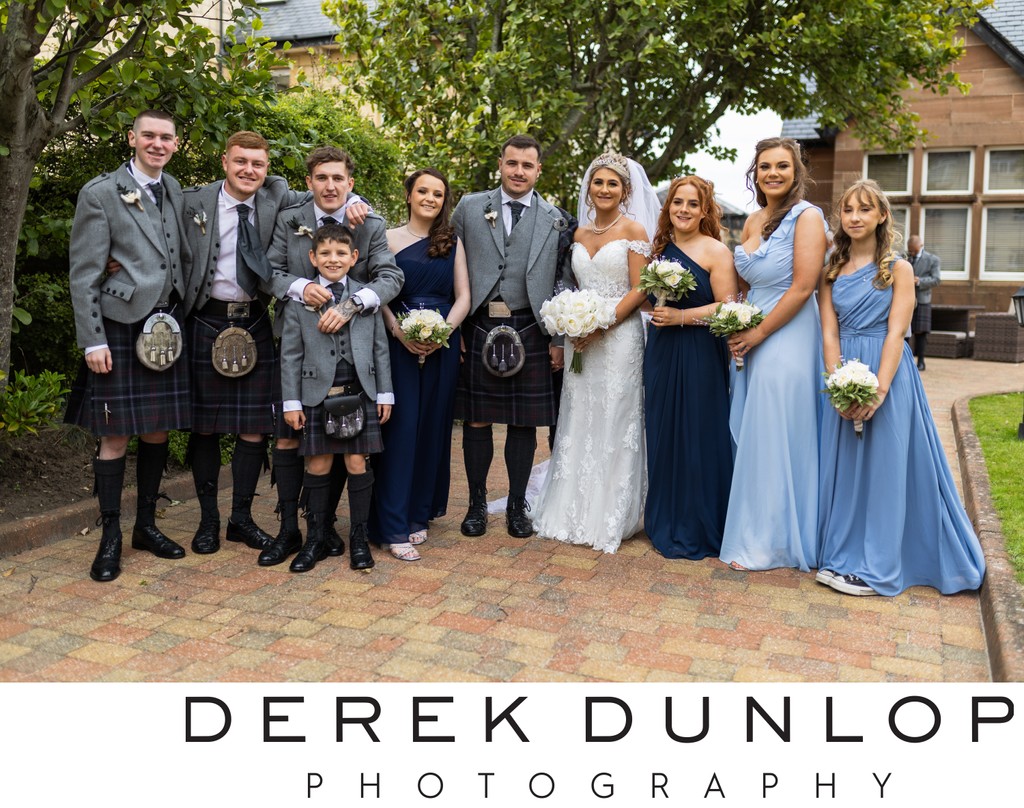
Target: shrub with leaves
{"points": [[31, 403]]}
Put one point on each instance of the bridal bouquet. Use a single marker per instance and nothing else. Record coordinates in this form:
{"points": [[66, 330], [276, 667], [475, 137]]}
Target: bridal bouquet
{"points": [[851, 383], [733, 316], [424, 325], [576, 314], [666, 280]]}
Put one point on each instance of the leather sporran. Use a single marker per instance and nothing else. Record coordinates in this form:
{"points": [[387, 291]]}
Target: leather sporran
{"points": [[159, 344], [344, 416]]}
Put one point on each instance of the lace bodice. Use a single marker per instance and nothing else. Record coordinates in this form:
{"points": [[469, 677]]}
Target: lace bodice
{"points": [[607, 272]]}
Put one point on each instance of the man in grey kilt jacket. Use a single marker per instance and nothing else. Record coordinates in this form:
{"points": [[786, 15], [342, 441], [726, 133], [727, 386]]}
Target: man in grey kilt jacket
{"points": [[511, 237], [132, 380]]}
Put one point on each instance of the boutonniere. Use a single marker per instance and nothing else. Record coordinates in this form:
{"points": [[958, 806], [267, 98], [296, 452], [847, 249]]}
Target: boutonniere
{"points": [[300, 229], [561, 225], [131, 197], [490, 214], [199, 217]]}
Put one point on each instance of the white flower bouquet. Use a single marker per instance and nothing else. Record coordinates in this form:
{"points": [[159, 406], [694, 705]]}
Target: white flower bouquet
{"points": [[424, 325], [577, 314], [666, 280], [851, 383], [733, 316]]}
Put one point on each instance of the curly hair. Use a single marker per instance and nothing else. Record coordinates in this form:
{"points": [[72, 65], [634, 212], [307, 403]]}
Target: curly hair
{"points": [[442, 234], [886, 237], [800, 180], [710, 223]]}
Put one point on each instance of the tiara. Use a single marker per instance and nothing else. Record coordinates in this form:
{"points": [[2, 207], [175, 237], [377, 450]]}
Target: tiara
{"points": [[610, 160]]}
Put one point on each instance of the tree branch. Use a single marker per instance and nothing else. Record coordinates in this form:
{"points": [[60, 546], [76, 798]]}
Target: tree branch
{"points": [[68, 89]]}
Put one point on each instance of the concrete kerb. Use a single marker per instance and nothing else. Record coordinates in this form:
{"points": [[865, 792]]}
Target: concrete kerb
{"points": [[1002, 597]]}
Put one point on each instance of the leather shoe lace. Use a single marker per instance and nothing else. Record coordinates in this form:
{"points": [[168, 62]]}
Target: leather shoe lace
{"points": [[475, 523], [359, 555], [519, 524]]}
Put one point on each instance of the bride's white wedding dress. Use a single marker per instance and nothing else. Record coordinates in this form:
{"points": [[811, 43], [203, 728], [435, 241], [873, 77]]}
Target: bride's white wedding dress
{"points": [[597, 480]]}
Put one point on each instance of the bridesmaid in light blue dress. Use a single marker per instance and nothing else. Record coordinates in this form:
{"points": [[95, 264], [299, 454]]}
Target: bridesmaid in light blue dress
{"points": [[890, 516], [774, 416]]}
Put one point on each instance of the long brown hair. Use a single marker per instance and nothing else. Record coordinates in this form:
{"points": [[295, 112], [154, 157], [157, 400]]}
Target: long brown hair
{"points": [[441, 233], [800, 180], [886, 237], [710, 223]]}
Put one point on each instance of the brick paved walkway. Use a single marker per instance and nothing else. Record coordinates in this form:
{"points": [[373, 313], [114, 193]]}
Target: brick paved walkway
{"points": [[494, 608]]}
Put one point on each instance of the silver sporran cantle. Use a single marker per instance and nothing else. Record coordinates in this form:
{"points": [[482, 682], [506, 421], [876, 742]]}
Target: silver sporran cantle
{"points": [[503, 351], [159, 345], [234, 352]]}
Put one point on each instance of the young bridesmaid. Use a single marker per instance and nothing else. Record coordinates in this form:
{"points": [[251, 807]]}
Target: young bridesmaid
{"points": [[890, 517]]}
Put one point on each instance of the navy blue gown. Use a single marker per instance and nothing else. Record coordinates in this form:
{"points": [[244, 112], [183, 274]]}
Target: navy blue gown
{"points": [[412, 475], [689, 449]]}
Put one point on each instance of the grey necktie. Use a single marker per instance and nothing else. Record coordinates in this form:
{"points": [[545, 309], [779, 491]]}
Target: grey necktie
{"points": [[517, 212], [251, 264], [158, 194]]}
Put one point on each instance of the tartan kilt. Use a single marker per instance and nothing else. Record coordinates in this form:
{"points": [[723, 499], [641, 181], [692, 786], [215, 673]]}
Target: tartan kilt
{"points": [[225, 405], [281, 428], [131, 399], [315, 441], [921, 321], [526, 399]]}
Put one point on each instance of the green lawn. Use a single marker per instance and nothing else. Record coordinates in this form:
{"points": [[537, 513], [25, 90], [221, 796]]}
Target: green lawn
{"points": [[995, 421]]}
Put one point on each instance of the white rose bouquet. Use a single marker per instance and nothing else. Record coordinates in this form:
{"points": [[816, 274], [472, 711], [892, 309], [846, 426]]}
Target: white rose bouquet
{"points": [[851, 383], [733, 316], [576, 314], [666, 280], [424, 325]]}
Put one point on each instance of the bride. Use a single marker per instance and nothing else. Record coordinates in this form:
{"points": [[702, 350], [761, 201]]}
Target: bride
{"points": [[596, 484]]}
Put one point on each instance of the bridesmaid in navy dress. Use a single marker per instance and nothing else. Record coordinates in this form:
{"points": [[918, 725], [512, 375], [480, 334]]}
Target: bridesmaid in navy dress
{"points": [[413, 471], [890, 516], [686, 383]]}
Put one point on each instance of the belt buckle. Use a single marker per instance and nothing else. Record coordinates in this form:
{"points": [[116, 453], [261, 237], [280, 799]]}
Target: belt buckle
{"points": [[498, 309], [238, 310]]}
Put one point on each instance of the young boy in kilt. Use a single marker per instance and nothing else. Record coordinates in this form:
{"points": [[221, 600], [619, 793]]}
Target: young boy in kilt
{"points": [[133, 216], [315, 365]]}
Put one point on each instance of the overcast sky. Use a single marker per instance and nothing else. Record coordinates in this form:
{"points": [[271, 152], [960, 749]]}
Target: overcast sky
{"points": [[742, 133]]}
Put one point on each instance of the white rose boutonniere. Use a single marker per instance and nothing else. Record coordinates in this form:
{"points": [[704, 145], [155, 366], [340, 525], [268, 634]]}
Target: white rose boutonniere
{"points": [[490, 214], [133, 197], [300, 229], [199, 217]]}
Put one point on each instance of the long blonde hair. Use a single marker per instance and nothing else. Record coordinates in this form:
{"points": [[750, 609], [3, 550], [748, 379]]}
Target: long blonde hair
{"points": [[886, 237]]}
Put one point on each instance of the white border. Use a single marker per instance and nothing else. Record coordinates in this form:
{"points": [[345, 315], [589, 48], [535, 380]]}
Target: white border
{"points": [[988, 168], [951, 275], [970, 172], [910, 170], [996, 275]]}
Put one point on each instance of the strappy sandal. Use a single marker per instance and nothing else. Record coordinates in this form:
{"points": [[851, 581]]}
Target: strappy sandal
{"points": [[404, 552], [737, 567], [418, 537]]}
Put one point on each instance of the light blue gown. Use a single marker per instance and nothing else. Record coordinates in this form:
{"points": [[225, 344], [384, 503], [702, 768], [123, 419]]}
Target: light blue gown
{"points": [[774, 421], [890, 512]]}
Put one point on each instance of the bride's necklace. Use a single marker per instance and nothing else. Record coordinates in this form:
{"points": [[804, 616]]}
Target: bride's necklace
{"points": [[412, 232], [597, 231]]}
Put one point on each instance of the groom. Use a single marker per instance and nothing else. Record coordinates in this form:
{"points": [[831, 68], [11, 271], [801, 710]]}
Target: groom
{"points": [[511, 237]]}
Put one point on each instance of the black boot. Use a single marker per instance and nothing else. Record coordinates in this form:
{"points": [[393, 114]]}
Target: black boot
{"points": [[109, 482], [920, 346], [315, 548], [477, 451], [287, 475], [339, 475], [246, 466], [150, 463], [519, 524], [204, 457], [475, 523], [360, 494]]}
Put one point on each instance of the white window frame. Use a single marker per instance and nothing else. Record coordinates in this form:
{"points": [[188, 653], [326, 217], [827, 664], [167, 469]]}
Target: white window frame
{"points": [[910, 170], [988, 164], [995, 275], [950, 275], [902, 211], [970, 172]]}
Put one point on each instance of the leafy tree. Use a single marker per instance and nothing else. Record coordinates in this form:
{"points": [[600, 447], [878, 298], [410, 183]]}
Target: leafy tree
{"points": [[650, 78], [88, 66]]}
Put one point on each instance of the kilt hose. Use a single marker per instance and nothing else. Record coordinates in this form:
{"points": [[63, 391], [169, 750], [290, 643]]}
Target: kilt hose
{"points": [[315, 440], [921, 321], [526, 399], [132, 399], [226, 405]]}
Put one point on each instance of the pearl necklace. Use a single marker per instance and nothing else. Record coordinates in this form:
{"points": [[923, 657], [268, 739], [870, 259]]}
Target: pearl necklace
{"points": [[598, 231], [412, 232]]}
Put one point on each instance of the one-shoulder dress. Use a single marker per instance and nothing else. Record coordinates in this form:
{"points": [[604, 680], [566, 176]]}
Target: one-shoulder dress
{"points": [[774, 420], [890, 512], [686, 410]]}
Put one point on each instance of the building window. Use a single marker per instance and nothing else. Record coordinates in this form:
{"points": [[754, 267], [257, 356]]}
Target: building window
{"points": [[946, 233], [1005, 170], [282, 78], [948, 172], [901, 223], [1002, 233], [890, 171]]}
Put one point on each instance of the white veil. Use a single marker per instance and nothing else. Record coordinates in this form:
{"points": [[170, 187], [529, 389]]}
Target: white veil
{"points": [[643, 206]]}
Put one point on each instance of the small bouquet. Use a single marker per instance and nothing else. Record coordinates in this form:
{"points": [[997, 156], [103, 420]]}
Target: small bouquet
{"points": [[424, 325], [666, 280], [577, 314], [851, 383], [733, 316]]}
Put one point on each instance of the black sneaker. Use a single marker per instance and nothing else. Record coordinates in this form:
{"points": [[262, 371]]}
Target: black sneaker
{"points": [[825, 577], [851, 585]]}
